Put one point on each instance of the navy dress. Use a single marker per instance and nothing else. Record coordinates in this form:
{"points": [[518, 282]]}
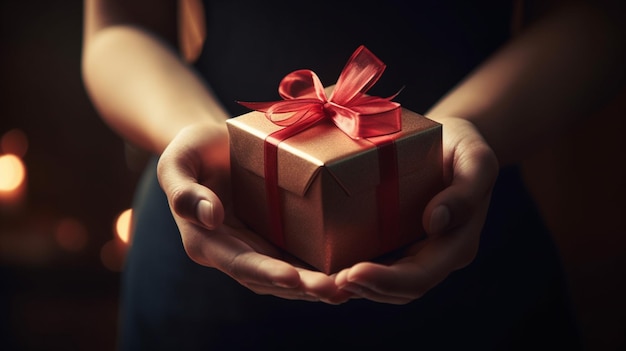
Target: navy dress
{"points": [[513, 296]]}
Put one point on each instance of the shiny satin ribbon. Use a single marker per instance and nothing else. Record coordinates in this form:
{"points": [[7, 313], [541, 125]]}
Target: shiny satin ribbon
{"points": [[358, 115]]}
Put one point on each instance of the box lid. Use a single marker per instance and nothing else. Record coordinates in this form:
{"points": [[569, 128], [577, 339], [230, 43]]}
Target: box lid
{"points": [[352, 163]]}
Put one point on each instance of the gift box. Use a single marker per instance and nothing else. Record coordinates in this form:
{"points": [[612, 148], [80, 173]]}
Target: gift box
{"points": [[327, 197]]}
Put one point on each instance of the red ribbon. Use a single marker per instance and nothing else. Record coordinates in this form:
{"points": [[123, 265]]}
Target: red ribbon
{"points": [[358, 115]]}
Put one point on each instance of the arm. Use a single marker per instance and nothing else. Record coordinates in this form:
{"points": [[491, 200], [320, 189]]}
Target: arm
{"points": [[547, 79], [147, 94], [544, 81], [135, 77]]}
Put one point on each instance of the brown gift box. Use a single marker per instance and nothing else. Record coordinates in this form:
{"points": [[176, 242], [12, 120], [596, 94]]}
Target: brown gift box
{"points": [[328, 186]]}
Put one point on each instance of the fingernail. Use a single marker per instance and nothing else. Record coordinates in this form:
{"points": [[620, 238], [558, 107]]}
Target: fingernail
{"points": [[204, 213], [439, 219]]}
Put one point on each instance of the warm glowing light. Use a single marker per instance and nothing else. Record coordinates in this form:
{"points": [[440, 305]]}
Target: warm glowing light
{"points": [[113, 252], [71, 235], [12, 173], [123, 225], [14, 142]]}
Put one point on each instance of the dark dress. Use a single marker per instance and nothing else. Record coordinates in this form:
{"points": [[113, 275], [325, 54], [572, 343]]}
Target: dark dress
{"points": [[513, 296]]}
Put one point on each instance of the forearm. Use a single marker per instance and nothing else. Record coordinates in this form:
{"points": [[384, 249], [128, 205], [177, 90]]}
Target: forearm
{"points": [[544, 81], [142, 89]]}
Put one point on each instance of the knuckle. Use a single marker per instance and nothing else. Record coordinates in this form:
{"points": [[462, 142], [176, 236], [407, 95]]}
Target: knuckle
{"points": [[236, 267], [462, 208], [163, 165], [464, 261], [466, 257], [194, 251], [193, 246], [231, 266], [489, 161], [420, 290], [181, 201]]}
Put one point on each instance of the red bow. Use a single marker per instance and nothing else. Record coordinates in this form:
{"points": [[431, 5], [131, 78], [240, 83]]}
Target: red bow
{"points": [[356, 114]]}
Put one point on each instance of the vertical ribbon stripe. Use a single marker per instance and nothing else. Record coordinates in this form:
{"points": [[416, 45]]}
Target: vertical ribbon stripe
{"points": [[388, 193], [272, 191]]}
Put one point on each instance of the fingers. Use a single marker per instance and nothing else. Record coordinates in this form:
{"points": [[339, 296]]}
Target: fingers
{"points": [[183, 170], [360, 283], [265, 274], [254, 269], [198, 204], [230, 254], [474, 169], [453, 220], [193, 172], [186, 197], [313, 286], [239, 254], [413, 276], [395, 284]]}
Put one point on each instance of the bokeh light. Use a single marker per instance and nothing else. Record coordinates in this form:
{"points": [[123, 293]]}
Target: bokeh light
{"points": [[112, 255], [71, 235], [14, 142], [12, 173], [123, 225], [113, 252]]}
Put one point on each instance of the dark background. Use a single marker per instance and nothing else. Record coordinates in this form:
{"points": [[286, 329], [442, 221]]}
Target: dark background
{"points": [[55, 298], [59, 297]]}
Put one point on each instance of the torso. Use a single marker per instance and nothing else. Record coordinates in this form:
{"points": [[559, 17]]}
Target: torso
{"points": [[428, 47]]}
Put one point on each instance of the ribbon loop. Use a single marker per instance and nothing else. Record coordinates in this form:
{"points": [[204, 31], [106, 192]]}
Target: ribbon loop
{"points": [[302, 83], [361, 72], [356, 114]]}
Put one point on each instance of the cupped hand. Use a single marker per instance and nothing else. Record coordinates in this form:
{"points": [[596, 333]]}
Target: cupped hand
{"points": [[194, 173], [453, 220]]}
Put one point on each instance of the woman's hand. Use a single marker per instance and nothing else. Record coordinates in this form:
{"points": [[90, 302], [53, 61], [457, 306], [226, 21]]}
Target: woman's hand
{"points": [[453, 220], [194, 173]]}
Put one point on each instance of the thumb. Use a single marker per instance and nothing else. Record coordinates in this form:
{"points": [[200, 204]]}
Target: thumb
{"points": [[473, 175], [187, 198]]}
